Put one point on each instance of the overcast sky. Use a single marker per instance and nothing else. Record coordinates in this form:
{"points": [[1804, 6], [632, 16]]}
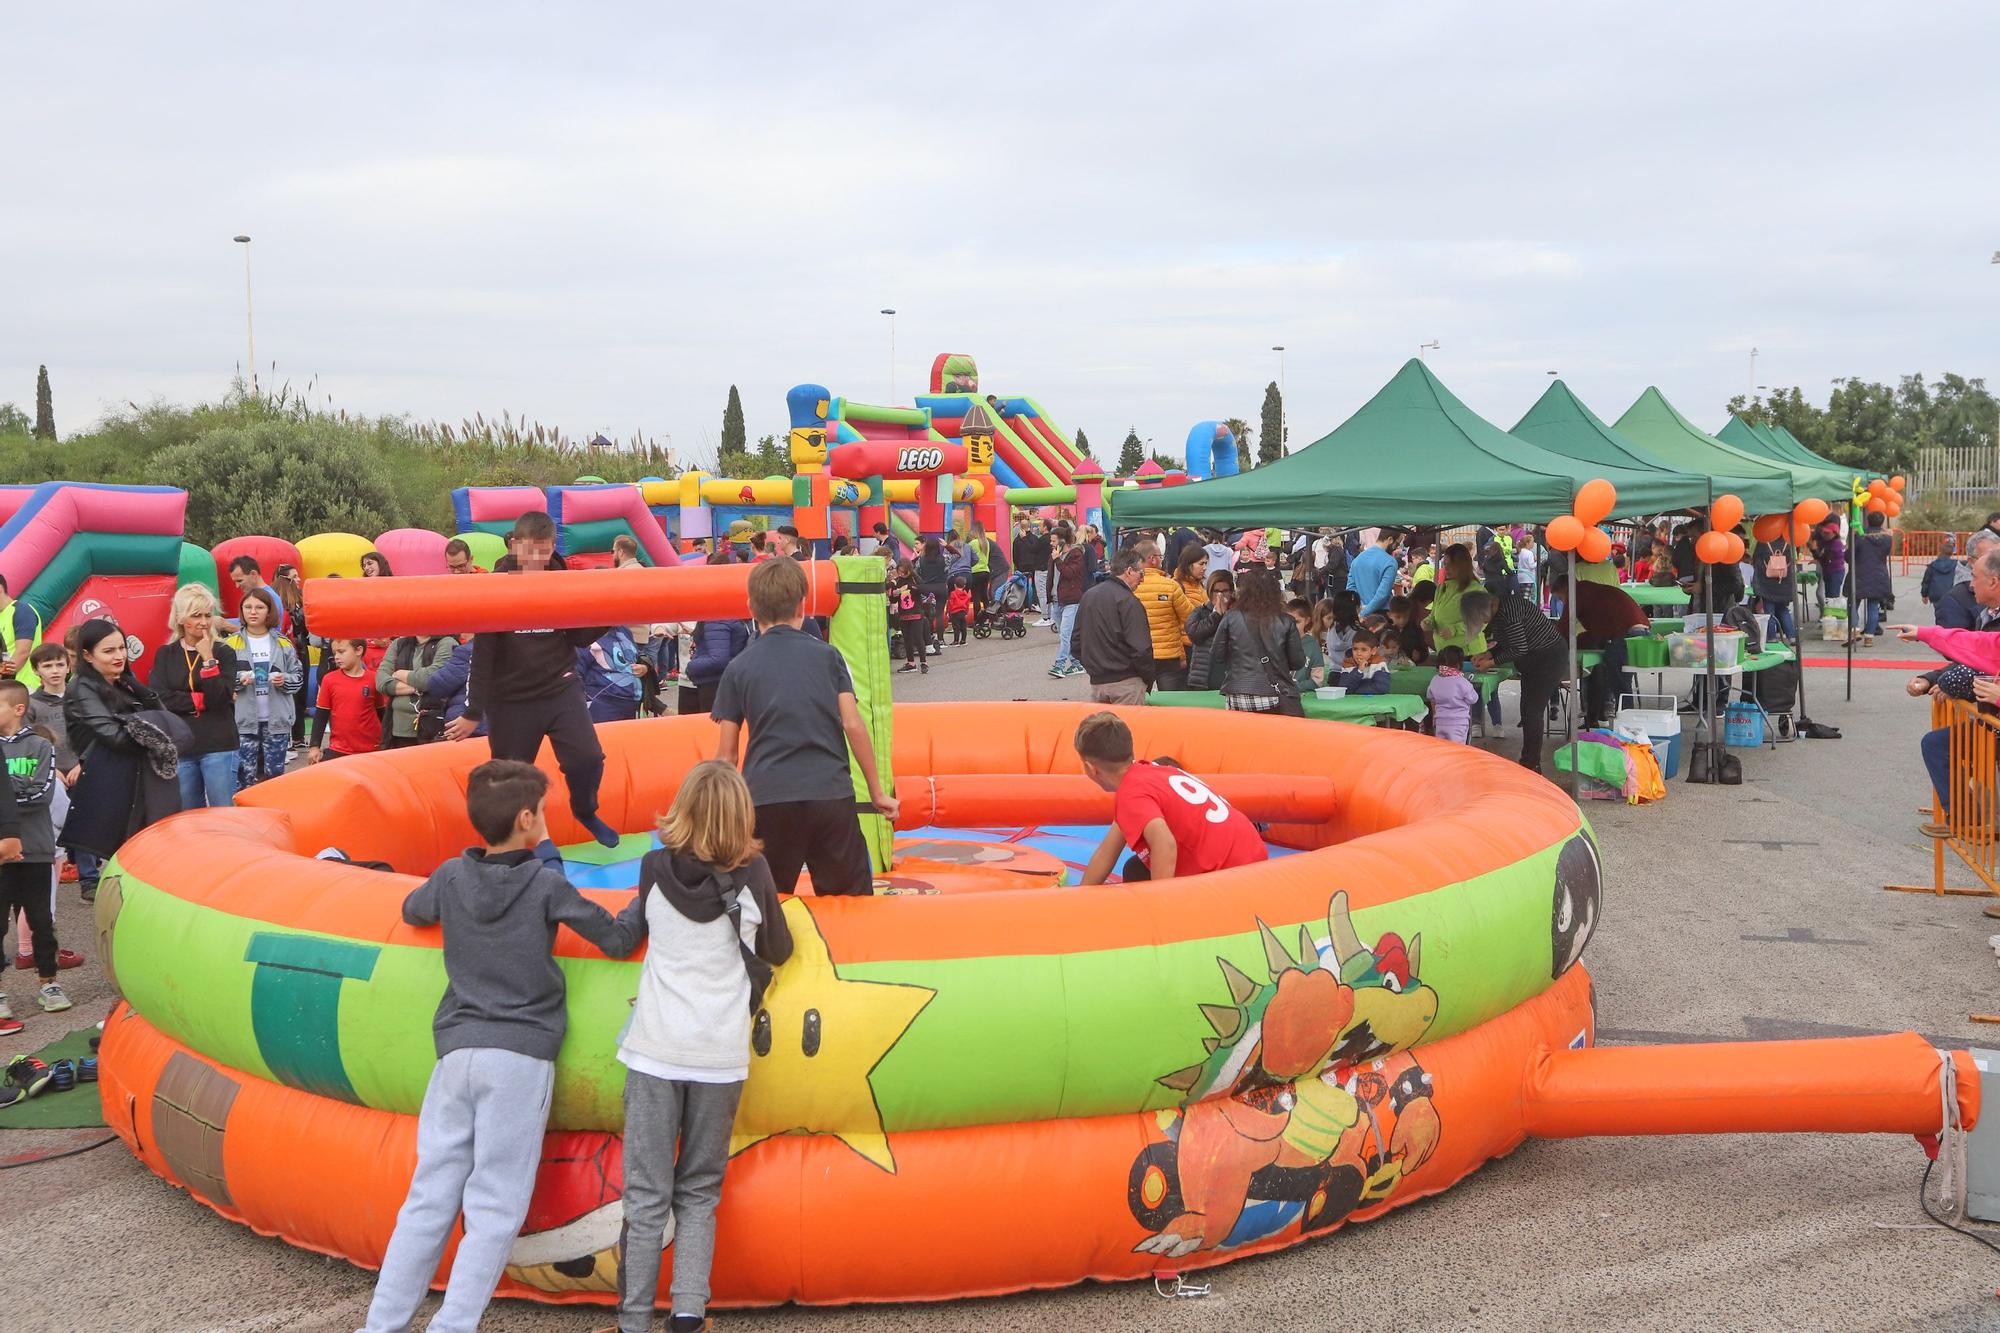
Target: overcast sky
{"points": [[601, 216]]}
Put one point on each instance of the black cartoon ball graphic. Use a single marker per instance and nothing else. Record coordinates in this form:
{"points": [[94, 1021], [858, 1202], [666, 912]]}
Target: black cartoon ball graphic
{"points": [[1579, 896]]}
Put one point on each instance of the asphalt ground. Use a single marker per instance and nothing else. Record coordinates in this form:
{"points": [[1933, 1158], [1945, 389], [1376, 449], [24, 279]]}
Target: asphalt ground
{"points": [[1731, 913]]}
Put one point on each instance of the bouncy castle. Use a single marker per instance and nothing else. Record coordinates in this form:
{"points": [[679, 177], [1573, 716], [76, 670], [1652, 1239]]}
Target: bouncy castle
{"points": [[76, 550]]}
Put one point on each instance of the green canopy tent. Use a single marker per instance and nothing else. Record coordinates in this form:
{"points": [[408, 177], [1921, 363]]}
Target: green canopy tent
{"points": [[1414, 455], [1560, 421], [1655, 425], [1765, 442], [1799, 448]]}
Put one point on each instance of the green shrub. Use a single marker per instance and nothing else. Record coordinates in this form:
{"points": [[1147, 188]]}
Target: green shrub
{"points": [[285, 478]]}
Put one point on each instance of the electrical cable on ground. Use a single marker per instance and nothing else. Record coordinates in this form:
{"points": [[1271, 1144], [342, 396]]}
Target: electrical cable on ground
{"points": [[58, 1156]]}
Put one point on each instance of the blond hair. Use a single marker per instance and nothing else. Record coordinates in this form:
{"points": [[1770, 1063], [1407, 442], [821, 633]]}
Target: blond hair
{"points": [[712, 817], [191, 599]]}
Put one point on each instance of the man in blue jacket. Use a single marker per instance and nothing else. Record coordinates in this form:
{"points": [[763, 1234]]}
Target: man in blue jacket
{"points": [[1372, 576]]}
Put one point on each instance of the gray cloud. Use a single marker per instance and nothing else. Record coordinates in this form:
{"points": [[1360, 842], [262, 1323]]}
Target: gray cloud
{"points": [[604, 219]]}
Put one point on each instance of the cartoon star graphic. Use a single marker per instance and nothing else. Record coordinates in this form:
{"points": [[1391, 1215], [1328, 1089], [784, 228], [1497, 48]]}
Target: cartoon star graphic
{"points": [[817, 1041]]}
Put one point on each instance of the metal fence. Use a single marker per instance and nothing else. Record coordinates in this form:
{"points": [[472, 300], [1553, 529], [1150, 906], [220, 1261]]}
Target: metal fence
{"points": [[1960, 474], [1968, 813]]}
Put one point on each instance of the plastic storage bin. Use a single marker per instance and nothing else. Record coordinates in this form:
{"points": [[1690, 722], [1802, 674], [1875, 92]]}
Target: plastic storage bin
{"points": [[1690, 649], [1643, 650]]}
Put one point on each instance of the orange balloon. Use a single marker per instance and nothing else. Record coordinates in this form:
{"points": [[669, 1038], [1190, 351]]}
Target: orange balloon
{"points": [[1876, 486], [1810, 511], [1896, 483], [1595, 548], [1594, 501], [1565, 532], [1801, 532], [1735, 551], [1711, 548], [1769, 528], [1876, 505], [1725, 513]]}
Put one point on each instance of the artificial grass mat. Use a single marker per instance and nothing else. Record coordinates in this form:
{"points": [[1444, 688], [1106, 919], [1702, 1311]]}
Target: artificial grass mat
{"points": [[78, 1108]]}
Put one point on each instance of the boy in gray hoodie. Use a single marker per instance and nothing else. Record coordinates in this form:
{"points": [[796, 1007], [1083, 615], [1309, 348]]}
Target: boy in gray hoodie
{"points": [[27, 879], [498, 1028]]}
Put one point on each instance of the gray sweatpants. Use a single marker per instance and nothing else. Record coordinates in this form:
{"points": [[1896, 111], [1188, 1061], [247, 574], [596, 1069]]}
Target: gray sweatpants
{"points": [[479, 1144], [658, 1113]]}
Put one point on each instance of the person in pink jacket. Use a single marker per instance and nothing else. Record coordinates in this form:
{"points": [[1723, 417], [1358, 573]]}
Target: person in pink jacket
{"points": [[1452, 697], [1978, 649]]}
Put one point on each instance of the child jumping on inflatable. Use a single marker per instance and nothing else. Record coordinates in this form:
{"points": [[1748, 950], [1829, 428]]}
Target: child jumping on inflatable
{"points": [[497, 1031], [1169, 818], [524, 685]]}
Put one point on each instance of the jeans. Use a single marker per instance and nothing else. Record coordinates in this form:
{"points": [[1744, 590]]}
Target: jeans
{"points": [[1066, 629], [1936, 748], [1871, 616], [208, 780], [1781, 616], [261, 754]]}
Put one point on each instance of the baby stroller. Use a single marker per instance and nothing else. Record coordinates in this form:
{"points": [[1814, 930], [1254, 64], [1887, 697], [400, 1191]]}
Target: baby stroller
{"points": [[1009, 600]]}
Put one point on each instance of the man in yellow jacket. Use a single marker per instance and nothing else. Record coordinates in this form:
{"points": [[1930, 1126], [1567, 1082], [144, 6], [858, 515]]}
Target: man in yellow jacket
{"points": [[1167, 610]]}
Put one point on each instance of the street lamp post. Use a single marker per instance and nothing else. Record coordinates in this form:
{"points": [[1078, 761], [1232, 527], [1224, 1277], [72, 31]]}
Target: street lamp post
{"points": [[1753, 372], [1284, 404], [891, 313], [249, 326], [1430, 346]]}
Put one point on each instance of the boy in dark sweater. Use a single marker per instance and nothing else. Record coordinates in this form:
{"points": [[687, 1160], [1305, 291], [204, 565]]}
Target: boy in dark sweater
{"points": [[497, 1030], [524, 686]]}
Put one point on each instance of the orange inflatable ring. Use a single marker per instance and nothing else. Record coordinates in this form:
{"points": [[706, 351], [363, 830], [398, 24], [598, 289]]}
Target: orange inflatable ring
{"points": [[1025, 1088]]}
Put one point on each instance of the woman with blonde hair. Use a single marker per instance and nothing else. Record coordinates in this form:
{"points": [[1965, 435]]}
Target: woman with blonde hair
{"points": [[707, 902], [195, 677]]}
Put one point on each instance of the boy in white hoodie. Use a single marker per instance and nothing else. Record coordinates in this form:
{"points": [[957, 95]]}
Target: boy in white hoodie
{"points": [[717, 931]]}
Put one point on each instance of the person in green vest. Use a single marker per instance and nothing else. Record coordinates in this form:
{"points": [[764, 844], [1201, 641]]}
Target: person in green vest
{"points": [[20, 635], [981, 578]]}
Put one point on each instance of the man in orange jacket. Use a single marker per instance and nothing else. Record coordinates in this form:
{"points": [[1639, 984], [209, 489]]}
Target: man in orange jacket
{"points": [[1167, 610]]}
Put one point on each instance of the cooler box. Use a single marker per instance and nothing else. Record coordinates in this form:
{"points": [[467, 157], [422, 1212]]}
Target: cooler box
{"points": [[1658, 717]]}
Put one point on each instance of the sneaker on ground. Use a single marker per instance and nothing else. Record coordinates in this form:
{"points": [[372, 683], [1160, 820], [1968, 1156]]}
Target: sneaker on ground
{"points": [[86, 1069], [6, 1010], [28, 1074], [1045, 622], [51, 998], [9, 1094], [1056, 671], [62, 1076]]}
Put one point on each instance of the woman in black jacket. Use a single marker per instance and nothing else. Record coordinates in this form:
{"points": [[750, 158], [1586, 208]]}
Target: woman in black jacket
{"points": [[1872, 589], [125, 784], [934, 583], [195, 677], [1256, 651]]}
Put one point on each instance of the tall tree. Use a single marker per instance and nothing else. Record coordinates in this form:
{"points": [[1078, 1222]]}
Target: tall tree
{"points": [[1241, 430], [45, 407], [734, 437], [13, 421], [1271, 437], [774, 456], [1083, 444], [1132, 455]]}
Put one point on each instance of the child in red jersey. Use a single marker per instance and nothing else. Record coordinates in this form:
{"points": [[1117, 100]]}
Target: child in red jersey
{"points": [[347, 719], [1169, 818]]}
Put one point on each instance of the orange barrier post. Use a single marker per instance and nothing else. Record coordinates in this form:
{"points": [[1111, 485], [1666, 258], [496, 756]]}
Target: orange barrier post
{"points": [[553, 599], [1968, 811]]}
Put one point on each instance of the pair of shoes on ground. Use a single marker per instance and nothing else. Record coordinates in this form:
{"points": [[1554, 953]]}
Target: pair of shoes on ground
{"points": [[49, 997], [1063, 671], [924, 667], [65, 958], [27, 1077]]}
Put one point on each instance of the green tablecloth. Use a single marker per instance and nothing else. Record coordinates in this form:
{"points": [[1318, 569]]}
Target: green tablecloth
{"points": [[1645, 594], [1353, 708], [1417, 680]]}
